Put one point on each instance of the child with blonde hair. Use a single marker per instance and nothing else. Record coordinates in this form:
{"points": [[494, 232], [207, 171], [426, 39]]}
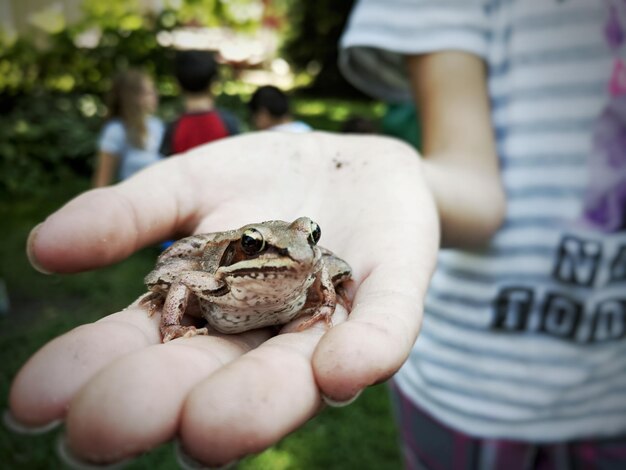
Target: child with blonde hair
{"points": [[132, 135]]}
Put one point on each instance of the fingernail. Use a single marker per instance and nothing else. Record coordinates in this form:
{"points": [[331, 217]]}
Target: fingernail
{"points": [[338, 404], [186, 462], [29, 250], [74, 463], [15, 426]]}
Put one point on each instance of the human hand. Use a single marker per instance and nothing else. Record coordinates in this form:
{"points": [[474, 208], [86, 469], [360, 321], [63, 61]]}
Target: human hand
{"points": [[121, 392]]}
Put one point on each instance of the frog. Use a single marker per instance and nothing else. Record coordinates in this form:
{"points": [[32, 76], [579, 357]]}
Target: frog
{"points": [[261, 275]]}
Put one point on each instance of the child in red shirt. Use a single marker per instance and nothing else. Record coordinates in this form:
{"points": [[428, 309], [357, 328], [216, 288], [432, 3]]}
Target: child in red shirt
{"points": [[201, 121]]}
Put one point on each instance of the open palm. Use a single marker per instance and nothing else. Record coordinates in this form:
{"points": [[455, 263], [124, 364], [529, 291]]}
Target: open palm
{"points": [[122, 392]]}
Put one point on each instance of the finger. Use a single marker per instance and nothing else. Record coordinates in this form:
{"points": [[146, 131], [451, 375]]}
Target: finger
{"points": [[134, 404], [254, 401], [384, 322], [373, 343], [387, 309], [46, 384], [105, 225], [170, 198]]}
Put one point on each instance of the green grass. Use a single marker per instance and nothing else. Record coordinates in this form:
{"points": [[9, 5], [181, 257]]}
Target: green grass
{"points": [[330, 114], [359, 436]]}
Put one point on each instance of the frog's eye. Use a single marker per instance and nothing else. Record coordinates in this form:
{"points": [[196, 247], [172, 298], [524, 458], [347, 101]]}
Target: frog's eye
{"points": [[315, 234], [252, 241]]}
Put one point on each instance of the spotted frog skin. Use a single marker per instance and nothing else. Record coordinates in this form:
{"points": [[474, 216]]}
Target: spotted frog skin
{"points": [[259, 275]]}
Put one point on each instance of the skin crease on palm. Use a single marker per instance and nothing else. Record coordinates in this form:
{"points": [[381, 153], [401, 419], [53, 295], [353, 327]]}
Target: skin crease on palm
{"points": [[122, 392]]}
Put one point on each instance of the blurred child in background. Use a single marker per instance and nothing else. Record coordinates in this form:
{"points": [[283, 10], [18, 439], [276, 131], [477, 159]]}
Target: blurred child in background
{"points": [[201, 121], [270, 110], [132, 135]]}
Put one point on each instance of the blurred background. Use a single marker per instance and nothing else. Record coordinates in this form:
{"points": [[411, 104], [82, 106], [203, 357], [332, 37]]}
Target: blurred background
{"points": [[57, 59]]}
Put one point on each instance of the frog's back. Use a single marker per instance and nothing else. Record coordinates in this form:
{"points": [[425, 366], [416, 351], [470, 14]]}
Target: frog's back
{"points": [[193, 246]]}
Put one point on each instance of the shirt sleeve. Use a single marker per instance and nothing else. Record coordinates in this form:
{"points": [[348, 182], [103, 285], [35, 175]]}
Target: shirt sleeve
{"points": [[112, 138], [381, 32]]}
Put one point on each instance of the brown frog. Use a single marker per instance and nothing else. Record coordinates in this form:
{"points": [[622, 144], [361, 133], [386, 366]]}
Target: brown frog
{"points": [[259, 275]]}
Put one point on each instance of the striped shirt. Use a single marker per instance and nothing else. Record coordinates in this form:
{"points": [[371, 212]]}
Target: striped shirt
{"points": [[525, 339]]}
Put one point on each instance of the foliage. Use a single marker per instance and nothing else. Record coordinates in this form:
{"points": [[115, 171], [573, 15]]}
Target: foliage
{"points": [[67, 65], [46, 139], [313, 44], [109, 36]]}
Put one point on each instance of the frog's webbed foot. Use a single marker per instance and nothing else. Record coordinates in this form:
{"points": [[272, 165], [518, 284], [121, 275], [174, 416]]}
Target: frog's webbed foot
{"points": [[323, 313], [153, 301], [170, 332]]}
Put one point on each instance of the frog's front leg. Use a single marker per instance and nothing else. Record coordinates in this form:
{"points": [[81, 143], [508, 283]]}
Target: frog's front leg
{"points": [[203, 284], [327, 302], [173, 310]]}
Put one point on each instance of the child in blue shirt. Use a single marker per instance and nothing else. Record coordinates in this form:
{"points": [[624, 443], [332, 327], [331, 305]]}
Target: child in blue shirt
{"points": [[131, 137]]}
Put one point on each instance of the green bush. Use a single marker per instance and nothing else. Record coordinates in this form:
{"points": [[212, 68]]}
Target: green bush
{"points": [[46, 138]]}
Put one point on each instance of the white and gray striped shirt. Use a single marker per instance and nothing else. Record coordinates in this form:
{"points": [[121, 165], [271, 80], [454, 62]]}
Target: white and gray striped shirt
{"points": [[527, 338]]}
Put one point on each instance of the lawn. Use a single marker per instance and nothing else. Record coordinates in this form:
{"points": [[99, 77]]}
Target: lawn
{"points": [[41, 307]]}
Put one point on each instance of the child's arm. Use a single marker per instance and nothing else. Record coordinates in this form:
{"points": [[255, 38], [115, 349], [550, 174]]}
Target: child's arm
{"points": [[106, 167], [461, 164]]}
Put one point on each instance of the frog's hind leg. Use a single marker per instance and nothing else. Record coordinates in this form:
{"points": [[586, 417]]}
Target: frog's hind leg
{"points": [[340, 274], [173, 310], [328, 301]]}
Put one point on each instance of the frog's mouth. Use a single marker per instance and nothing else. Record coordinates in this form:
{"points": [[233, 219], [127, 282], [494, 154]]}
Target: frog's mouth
{"points": [[250, 268]]}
